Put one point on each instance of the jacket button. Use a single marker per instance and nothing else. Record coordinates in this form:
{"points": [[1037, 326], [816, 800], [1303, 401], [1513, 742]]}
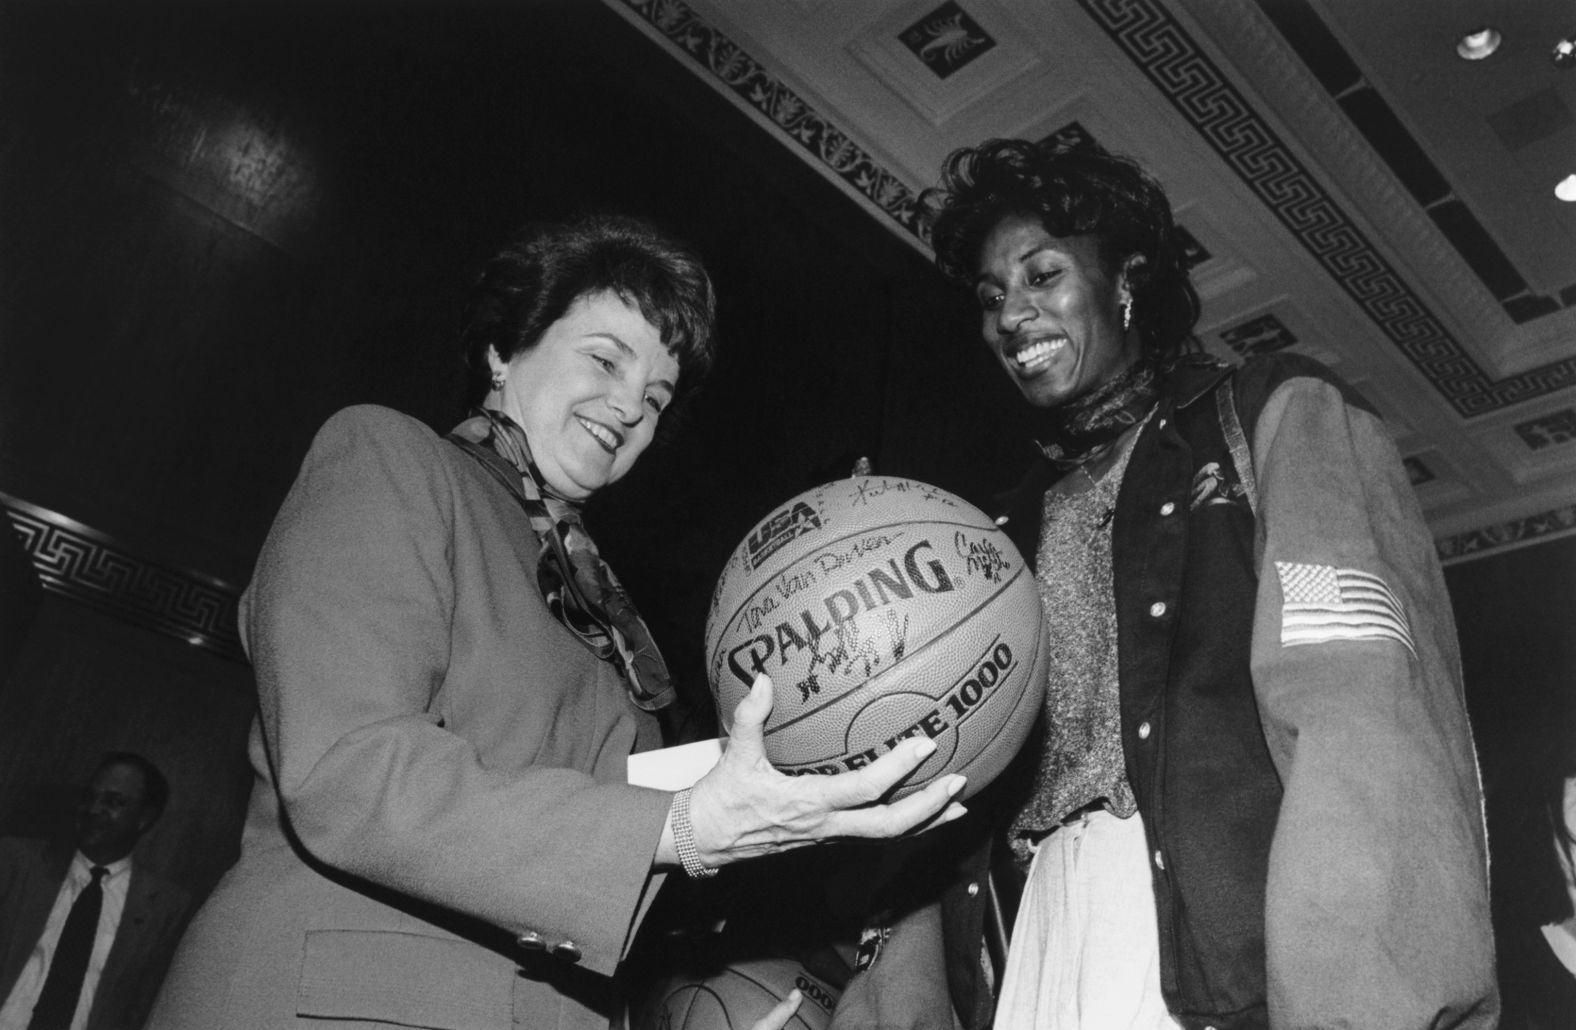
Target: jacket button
{"points": [[1160, 860], [974, 889], [1168, 507], [1162, 423], [531, 941], [568, 951], [1143, 731], [1157, 609]]}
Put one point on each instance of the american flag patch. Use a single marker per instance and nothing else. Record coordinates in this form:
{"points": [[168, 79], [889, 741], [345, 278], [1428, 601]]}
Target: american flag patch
{"points": [[1324, 603]]}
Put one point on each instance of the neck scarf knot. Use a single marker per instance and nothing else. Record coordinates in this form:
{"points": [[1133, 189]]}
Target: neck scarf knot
{"points": [[579, 588], [1086, 427]]}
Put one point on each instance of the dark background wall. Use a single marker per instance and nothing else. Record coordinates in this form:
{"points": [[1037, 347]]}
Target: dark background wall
{"points": [[1518, 655], [221, 222]]}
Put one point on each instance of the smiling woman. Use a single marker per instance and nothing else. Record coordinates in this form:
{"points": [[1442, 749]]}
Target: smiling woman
{"points": [[589, 394], [1252, 662], [1057, 322], [450, 682]]}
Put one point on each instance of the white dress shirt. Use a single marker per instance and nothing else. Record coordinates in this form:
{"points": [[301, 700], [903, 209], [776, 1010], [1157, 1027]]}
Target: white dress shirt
{"points": [[18, 1008]]}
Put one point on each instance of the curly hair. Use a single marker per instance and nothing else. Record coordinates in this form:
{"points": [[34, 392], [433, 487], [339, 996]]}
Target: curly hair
{"points": [[1073, 190], [532, 282]]}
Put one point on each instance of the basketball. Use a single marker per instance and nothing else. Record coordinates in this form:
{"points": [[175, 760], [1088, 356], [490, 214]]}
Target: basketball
{"points": [[734, 997], [881, 608]]}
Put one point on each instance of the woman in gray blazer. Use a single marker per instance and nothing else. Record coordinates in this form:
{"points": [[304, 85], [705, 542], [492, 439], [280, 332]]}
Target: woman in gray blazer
{"points": [[450, 682]]}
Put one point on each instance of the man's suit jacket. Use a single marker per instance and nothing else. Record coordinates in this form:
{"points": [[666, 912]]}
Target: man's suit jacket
{"points": [[441, 833], [31, 872]]}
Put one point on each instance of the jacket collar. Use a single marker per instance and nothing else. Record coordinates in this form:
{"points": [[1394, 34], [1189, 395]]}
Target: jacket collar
{"points": [[1191, 378]]}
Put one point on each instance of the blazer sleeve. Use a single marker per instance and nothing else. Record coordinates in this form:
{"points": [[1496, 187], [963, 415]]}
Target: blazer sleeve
{"points": [[348, 622], [23, 911], [1377, 911]]}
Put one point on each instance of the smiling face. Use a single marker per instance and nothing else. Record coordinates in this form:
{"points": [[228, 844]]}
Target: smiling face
{"points": [[1052, 313], [589, 393]]}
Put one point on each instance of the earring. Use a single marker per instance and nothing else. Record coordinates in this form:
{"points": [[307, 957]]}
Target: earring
{"points": [[1127, 314], [498, 379]]}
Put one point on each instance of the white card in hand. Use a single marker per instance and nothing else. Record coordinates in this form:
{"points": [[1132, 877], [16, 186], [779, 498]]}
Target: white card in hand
{"points": [[674, 768]]}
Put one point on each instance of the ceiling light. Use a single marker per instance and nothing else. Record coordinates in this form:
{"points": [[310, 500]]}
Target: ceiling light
{"points": [[1478, 44], [1564, 55], [1566, 190]]}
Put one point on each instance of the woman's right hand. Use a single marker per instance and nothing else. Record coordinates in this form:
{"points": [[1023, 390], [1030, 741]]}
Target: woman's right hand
{"points": [[744, 808]]}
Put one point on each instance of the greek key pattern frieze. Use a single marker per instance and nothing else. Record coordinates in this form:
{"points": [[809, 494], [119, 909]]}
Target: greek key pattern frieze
{"points": [[790, 114], [1174, 62], [86, 566], [1538, 528]]}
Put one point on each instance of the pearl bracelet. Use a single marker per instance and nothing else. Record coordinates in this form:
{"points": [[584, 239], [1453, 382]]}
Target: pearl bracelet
{"points": [[684, 838]]}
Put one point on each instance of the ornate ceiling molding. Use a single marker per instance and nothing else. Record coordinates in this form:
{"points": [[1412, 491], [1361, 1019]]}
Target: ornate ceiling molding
{"points": [[1229, 122], [1507, 536], [750, 85], [1211, 103], [1368, 112], [1257, 50], [87, 566]]}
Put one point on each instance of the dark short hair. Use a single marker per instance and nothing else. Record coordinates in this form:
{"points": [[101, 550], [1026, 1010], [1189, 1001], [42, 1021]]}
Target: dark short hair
{"points": [[532, 282], [155, 788], [1074, 190]]}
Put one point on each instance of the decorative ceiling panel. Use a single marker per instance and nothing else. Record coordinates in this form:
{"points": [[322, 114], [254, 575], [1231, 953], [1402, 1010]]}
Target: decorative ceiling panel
{"points": [[941, 58]]}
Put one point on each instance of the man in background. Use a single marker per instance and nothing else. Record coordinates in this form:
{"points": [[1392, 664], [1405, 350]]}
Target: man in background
{"points": [[86, 932]]}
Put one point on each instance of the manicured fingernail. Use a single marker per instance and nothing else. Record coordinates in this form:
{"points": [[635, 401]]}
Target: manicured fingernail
{"points": [[956, 785], [925, 748], [954, 811]]}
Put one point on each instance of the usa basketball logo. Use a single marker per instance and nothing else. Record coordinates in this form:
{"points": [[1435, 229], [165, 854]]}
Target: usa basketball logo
{"points": [[767, 538]]}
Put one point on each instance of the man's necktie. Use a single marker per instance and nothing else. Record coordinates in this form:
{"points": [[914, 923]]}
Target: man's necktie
{"points": [[57, 1002]]}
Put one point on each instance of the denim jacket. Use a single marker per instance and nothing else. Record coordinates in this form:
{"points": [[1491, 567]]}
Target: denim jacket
{"points": [[1293, 718]]}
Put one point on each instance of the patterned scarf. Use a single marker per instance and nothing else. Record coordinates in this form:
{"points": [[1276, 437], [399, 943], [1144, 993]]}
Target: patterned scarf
{"points": [[1085, 428], [579, 588]]}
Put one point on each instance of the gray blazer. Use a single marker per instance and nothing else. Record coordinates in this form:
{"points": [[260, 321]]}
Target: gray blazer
{"points": [[31, 872], [441, 834]]}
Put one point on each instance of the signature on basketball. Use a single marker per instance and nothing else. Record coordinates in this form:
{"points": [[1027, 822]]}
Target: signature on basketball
{"points": [[787, 585], [790, 583], [811, 684], [866, 490], [845, 652], [853, 654], [831, 561], [981, 556], [755, 614]]}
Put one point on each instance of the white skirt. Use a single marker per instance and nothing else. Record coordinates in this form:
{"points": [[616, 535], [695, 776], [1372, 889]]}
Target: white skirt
{"points": [[1085, 950]]}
